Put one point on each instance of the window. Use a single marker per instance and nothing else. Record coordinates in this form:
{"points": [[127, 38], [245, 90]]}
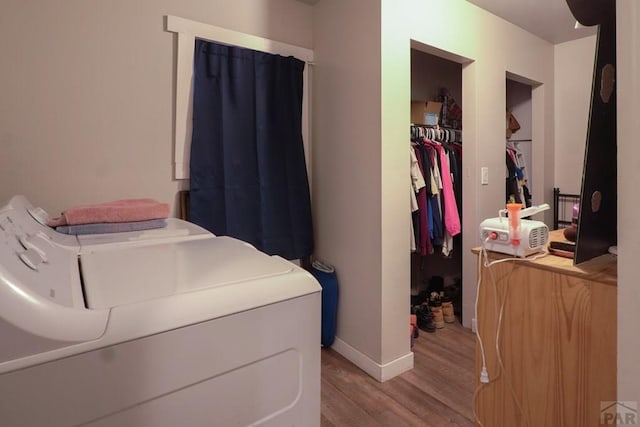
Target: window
{"points": [[187, 32]]}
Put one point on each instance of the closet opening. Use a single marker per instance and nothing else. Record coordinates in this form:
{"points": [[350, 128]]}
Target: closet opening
{"points": [[436, 153], [519, 145]]}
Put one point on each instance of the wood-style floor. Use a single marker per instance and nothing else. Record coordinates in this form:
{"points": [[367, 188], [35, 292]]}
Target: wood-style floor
{"points": [[437, 392]]}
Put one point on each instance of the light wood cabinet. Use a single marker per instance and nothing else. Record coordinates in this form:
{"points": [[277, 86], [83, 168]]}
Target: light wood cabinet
{"points": [[557, 341]]}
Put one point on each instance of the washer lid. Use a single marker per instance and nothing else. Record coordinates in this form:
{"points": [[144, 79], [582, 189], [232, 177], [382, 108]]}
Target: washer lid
{"points": [[134, 274]]}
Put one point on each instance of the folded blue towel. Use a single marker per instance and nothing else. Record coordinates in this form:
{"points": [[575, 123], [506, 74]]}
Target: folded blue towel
{"points": [[111, 227]]}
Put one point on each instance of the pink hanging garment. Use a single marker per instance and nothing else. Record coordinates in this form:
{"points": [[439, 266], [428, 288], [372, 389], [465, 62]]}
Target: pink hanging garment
{"points": [[451, 216]]}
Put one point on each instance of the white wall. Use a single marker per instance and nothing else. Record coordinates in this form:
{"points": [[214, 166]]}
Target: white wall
{"points": [[87, 102], [361, 183], [628, 94], [492, 47], [573, 80], [347, 167]]}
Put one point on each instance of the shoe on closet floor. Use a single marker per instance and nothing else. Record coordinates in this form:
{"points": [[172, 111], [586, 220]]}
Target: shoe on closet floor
{"points": [[447, 310], [436, 284], [416, 300], [424, 318], [435, 305], [413, 329], [415, 332], [453, 291]]}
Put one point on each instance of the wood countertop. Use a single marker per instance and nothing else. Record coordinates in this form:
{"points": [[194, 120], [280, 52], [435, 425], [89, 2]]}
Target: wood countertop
{"points": [[603, 269]]}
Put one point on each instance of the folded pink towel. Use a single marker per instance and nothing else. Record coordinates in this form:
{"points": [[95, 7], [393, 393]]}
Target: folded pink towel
{"points": [[116, 211]]}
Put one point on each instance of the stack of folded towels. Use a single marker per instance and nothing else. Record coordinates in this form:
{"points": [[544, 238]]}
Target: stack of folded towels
{"points": [[112, 217]]}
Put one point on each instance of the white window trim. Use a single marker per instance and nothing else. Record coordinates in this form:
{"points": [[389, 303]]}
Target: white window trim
{"points": [[188, 31]]}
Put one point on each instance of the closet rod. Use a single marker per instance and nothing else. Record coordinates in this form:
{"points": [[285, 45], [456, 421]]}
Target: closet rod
{"points": [[436, 127], [519, 140]]}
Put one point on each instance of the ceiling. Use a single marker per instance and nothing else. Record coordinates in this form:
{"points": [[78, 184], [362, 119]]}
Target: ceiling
{"points": [[548, 19]]}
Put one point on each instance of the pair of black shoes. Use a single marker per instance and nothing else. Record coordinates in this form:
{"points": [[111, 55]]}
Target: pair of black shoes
{"points": [[424, 317]]}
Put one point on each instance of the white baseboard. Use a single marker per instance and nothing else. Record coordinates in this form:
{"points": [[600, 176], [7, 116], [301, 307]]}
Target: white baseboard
{"points": [[380, 372]]}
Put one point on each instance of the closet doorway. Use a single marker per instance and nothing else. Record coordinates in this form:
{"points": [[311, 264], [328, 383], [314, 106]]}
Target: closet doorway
{"points": [[519, 146], [436, 132]]}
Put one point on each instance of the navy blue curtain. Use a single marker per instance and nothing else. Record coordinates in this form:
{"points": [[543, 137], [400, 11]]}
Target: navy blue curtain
{"points": [[247, 171]]}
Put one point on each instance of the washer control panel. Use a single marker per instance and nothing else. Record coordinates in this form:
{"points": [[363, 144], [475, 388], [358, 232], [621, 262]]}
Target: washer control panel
{"points": [[32, 262]]}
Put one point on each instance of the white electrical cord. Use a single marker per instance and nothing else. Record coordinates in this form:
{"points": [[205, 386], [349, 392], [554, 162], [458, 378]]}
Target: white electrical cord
{"points": [[484, 376], [499, 354], [497, 342]]}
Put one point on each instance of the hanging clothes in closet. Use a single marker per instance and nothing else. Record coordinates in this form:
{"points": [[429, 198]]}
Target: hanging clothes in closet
{"points": [[517, 190], [437, 152]]}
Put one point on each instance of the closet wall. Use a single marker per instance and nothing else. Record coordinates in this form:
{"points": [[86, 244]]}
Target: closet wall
{"points": [[519, 104], [347, 178], [430, 74]]}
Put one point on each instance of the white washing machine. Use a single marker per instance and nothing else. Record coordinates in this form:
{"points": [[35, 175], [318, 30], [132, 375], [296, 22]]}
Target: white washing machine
{"points": [[171, 327]]}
